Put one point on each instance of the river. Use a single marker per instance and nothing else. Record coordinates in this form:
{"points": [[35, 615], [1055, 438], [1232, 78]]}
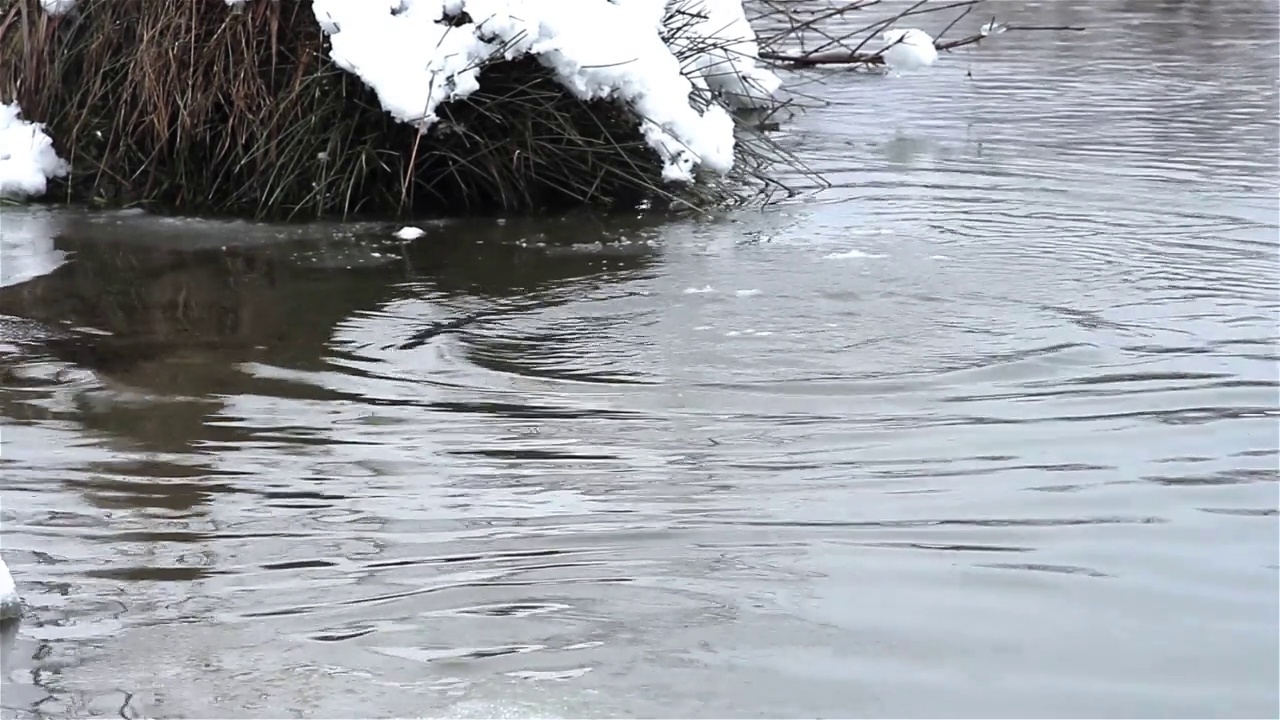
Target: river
{"points": [[986, 429]]}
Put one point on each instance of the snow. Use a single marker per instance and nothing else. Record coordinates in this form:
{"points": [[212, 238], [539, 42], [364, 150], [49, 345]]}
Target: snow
{"points": [[908, 49], [27, 157], [597, 49], [664, 59], [717, 43], [680, 65], [57, 7], [10, 605]]}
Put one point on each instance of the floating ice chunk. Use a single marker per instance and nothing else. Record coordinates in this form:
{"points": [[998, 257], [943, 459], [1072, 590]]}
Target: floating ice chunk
{"points": [[27, 157], [57, 7], [409, 232], [992, 28], [908, 49]]}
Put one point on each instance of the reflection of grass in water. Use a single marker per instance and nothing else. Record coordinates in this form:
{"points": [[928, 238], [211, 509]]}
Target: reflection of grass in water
{"points": [[181, 322], [162, 296], [185, 106]]}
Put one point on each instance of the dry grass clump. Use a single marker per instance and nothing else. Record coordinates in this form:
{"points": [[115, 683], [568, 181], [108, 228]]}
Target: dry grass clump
{"points": [[186, 106]]}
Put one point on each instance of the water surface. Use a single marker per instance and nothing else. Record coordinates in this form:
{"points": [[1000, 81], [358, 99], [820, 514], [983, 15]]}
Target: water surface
{"points": [[989, 428]]}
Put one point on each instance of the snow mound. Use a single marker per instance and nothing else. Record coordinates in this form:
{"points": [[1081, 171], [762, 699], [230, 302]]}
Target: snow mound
{"points": [[678, 65], [416, 55], [27, 157], [908, 49]]}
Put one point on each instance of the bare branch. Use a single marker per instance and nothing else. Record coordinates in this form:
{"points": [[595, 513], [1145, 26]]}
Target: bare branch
{"points": [[788, 40]]}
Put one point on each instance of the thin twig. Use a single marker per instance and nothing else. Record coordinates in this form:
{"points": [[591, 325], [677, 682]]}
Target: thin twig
{"points": [[853, 57]]}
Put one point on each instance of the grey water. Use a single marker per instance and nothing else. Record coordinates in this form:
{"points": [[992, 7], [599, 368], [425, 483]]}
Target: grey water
{"points": [[988, 428]]}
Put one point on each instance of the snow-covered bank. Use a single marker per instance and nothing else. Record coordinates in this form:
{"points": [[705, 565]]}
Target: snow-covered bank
{"points": [[417, 54], [476, 105], [413, 107], [27, 156]]}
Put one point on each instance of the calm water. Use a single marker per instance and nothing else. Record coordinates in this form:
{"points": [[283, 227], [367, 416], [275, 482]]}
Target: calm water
{"points": [[987, 429]]}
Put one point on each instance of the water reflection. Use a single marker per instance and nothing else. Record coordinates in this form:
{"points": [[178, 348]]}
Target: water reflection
{"points": [[165, 328]]}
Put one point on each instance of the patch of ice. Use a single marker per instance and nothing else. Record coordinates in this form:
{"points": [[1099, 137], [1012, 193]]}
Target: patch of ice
{"points": [[699, 291], [409, 232], [414, 58], [908, 49], [27, 157], [746, 293]]}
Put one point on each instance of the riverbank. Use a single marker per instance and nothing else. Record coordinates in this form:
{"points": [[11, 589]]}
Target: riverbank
{"points": [[325, 108]]}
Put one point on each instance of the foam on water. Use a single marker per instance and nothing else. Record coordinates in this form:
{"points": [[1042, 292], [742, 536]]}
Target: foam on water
{"points": [[851, 254]]}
